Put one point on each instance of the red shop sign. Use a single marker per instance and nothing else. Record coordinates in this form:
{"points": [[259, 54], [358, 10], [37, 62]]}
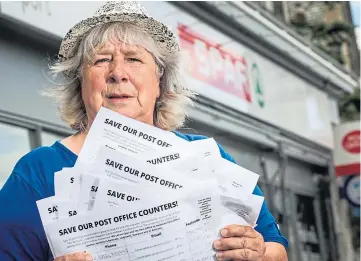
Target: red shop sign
{"points": [[351, 142], [213, 65]]}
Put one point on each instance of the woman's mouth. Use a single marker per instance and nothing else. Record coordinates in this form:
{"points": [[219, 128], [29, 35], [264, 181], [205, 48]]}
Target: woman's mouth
{"points": [[116, 98]]}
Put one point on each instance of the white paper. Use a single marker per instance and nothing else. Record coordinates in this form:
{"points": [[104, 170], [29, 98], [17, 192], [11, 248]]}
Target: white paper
{"points": [[48, 210], [236, 185], [113, 194], [67, 208], [118, 166], [124, 134], [67, 183], [235, 182], [231, 177], [88, 192], [203, 159], [179, 230], [247, 210], [126, 168], [173, 155], [234, 210]]}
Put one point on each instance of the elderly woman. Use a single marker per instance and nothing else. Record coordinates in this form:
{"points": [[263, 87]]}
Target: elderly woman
{"points": [[126, 61]]}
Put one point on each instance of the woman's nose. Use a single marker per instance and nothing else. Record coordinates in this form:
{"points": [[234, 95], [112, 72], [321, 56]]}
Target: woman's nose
{"points": [[117, 72]]}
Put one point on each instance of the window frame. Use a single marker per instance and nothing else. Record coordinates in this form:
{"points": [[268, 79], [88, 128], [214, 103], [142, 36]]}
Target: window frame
{"points": [[34, 127]]}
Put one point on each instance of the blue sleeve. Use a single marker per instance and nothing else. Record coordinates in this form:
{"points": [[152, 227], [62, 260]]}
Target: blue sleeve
{"points": [[22, 235], [266, 223]]}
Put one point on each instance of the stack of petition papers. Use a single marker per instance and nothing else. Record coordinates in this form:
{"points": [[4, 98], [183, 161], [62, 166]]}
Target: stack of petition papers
{"points": [[138, 192]]}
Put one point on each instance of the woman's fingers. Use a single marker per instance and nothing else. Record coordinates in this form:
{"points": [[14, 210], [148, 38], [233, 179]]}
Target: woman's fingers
{"points": [[77, 256], [238, 254], [238, 243]]}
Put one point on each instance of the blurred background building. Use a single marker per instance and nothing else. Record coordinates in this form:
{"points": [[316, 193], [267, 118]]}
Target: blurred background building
{"points": [[270, 78], [327, 25]]}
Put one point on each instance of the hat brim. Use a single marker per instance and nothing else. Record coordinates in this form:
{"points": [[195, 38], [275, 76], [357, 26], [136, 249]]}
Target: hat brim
{"points": [[162, 35]]}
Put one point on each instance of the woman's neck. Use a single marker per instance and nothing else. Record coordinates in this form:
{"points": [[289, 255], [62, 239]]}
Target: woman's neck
{"points": [[74, 142]]}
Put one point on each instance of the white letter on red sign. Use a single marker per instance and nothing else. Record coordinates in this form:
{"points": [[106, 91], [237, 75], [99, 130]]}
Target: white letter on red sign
{"points": [[229, 71], [201, 52], [240, 75], [216, 61]]}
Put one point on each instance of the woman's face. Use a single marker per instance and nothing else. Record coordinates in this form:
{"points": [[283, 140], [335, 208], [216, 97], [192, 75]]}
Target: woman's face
{"points": [[122, 78]]}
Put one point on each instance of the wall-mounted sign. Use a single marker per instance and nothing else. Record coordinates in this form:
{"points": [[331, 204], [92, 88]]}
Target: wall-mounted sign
{"points": [[352, 190], [210, 63], [347, 148], [223, 70]]}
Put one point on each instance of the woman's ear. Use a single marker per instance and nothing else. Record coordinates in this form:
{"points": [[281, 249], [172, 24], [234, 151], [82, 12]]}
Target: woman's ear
{"points": [[160, 75], [158, 90]]}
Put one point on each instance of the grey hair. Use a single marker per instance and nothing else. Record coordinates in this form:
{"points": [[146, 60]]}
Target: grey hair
{"points": [[171, 107]]}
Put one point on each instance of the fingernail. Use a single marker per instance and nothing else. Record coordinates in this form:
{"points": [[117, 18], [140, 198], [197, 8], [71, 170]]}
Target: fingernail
{"points": [[217, 244], [88, 258], [224, 232], [219, 255]]}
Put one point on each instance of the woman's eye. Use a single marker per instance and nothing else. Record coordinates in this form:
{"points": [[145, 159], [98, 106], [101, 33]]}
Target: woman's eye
{"points": [[103, 60], [130, 59]]}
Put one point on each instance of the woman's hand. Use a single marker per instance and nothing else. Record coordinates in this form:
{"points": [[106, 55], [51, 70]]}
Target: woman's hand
{"points": [[240, 243], [76, 256]]}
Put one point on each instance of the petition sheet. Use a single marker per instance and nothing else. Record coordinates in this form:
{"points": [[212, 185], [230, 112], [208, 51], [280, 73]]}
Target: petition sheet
{"points": [[247, 210], [67, 183], [113, 194], [236, 183], [230, 176], [171, 230], [119, 166], [175, 155], [124, 134], [234, 177], [48, 210], [203, 159], [88, 192]]}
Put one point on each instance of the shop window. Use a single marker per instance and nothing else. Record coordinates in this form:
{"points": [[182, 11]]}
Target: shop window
{"points": [[48, 138], [306, 227], [14, 144]]}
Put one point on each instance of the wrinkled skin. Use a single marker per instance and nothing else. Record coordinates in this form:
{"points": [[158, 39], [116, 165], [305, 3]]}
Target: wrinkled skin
{"points": [[122, 78]]}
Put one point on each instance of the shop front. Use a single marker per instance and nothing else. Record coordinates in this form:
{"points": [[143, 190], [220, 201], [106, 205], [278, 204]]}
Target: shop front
{"points": [[270, 120]]}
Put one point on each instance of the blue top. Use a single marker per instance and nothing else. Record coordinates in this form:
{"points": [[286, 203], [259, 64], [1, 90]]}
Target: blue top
{"points": [[22, 236]]}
